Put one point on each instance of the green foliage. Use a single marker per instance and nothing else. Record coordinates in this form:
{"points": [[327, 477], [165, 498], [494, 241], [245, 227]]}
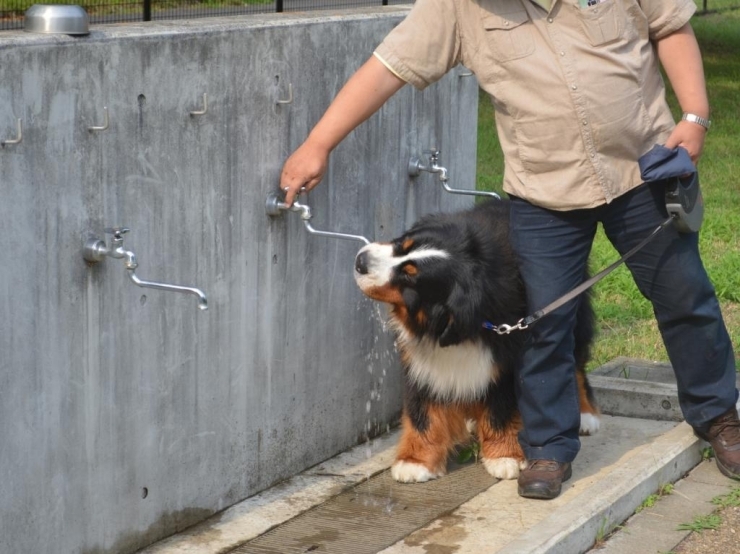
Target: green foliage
{"points": [[468, 453], [651, 500], [730, 499], [702, 523]]}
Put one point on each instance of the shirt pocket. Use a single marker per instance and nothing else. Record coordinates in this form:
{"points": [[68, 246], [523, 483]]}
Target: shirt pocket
{"points": [[602, 23], [508, 35]]}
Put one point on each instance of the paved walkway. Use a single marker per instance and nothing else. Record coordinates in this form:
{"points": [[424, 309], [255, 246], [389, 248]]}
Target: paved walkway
{"points": [[616, 470]]}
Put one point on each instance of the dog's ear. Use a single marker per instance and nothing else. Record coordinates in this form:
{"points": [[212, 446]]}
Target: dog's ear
{"points": [[411, 300], [462, 308]]}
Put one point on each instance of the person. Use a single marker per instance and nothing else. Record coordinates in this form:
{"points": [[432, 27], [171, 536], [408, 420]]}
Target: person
{"points": [[578, 97]]}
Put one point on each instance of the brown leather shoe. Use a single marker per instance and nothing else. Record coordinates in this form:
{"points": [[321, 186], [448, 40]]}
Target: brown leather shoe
{"points": [[723, 434], [543, 478]]}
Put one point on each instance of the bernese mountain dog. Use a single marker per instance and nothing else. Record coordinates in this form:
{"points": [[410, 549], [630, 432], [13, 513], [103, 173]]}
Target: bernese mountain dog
{"points": [[442, 279]]}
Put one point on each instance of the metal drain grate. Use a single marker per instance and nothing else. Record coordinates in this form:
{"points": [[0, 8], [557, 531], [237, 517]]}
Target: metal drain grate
{"points": [[371, 516]]}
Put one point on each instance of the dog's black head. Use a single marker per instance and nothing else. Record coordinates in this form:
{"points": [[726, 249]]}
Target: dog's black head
{"points": [[446, 275]]}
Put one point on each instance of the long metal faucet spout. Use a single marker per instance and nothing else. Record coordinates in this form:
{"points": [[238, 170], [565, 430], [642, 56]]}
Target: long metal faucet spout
{"points": [[202, 300], [96, 250], [275, 207], [416, 166]]}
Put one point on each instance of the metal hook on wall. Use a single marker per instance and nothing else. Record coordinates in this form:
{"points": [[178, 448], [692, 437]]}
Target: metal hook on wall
{"points": [[19, 134], [106, 121], [205, 106], [290, 96]]}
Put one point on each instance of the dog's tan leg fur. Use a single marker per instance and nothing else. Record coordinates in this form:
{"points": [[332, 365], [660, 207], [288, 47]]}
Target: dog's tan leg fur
{"points": [[586, 406], [590, 421], [423, 455], [502, 455]]}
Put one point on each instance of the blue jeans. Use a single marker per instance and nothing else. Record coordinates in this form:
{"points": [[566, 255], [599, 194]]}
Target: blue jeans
{"points": [[553, 249]]}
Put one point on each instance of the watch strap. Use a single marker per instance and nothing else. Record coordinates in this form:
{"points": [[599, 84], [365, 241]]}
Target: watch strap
{"points": [[693, 118]]}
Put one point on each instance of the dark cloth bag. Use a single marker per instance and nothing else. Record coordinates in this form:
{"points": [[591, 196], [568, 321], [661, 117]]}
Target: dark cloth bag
{"points": [[665, 163]]}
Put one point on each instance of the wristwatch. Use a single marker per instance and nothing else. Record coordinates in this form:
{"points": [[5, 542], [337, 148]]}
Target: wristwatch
{"points": [[697, 119]]}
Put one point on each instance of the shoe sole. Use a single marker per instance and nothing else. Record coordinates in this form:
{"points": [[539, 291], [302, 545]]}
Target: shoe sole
{"points": [[726, 472]]}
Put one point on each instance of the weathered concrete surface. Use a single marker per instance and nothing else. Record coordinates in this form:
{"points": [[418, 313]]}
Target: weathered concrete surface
{"points": [[656, 529], [637, 388], [126, 414], [615, 471]]}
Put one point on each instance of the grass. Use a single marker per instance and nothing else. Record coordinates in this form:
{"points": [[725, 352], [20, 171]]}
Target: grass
{"points": [[652, 499], [732, 498], [702, 523], [625, 318], [713, 520]]}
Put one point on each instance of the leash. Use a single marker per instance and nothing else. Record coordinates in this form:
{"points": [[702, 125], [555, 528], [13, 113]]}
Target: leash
{"points": [[525, 322]]}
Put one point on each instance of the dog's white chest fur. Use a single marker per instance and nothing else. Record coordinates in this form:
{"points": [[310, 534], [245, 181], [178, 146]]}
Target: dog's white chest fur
{"points": [[460, 372]]}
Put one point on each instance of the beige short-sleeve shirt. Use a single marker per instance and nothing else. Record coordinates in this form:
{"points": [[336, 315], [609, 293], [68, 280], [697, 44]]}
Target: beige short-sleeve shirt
{"points": [[577, 91]]}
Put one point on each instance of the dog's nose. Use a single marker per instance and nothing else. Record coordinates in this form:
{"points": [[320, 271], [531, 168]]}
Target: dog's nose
{"points": [[361, 263]]}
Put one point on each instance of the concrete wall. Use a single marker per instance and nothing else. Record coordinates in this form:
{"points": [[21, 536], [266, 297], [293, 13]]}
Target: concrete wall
{"points": [[127, 414]]}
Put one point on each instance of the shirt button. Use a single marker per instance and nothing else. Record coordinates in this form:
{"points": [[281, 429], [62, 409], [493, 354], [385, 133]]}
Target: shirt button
{"points": [[585, 122], [549, 19], [574, 87], [562, 53]]}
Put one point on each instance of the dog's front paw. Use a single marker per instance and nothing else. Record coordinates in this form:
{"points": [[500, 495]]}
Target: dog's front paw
{"points": [[590, 423], [411, 472], [503, 468]]}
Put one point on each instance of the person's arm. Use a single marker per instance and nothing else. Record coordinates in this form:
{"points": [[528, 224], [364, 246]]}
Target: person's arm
{"points": [[363, 94], [680, 57]]}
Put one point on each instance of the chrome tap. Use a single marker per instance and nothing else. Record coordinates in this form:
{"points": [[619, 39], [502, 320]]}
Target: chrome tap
{"points": [[416, 166], [275, 207], [96, 250]]}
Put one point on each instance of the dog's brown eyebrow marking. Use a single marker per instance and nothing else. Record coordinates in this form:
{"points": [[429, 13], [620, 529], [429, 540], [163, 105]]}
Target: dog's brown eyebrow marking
{"points": [[407, 244], [410, 269], [421, 317]]}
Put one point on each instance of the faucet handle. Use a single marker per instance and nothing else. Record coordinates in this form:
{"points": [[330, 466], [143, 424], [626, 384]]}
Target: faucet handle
{"points": [[432, 153], [117, 232]]}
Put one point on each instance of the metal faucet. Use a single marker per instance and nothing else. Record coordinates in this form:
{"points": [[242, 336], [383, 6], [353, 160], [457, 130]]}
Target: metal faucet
{"points": [[416, 166], [96, 250], [275, 207]]}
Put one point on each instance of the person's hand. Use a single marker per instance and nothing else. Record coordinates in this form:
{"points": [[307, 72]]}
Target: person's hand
{"points": [[304, 169], [690, 136]]}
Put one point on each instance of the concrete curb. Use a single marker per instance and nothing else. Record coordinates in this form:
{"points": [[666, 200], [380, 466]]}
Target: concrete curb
{"points": [[576, 526]]}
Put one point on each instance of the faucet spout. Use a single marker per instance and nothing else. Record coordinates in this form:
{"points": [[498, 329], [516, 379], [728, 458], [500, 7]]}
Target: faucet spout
{"points": [[202, 300], [96, 250], [416, 166]]}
